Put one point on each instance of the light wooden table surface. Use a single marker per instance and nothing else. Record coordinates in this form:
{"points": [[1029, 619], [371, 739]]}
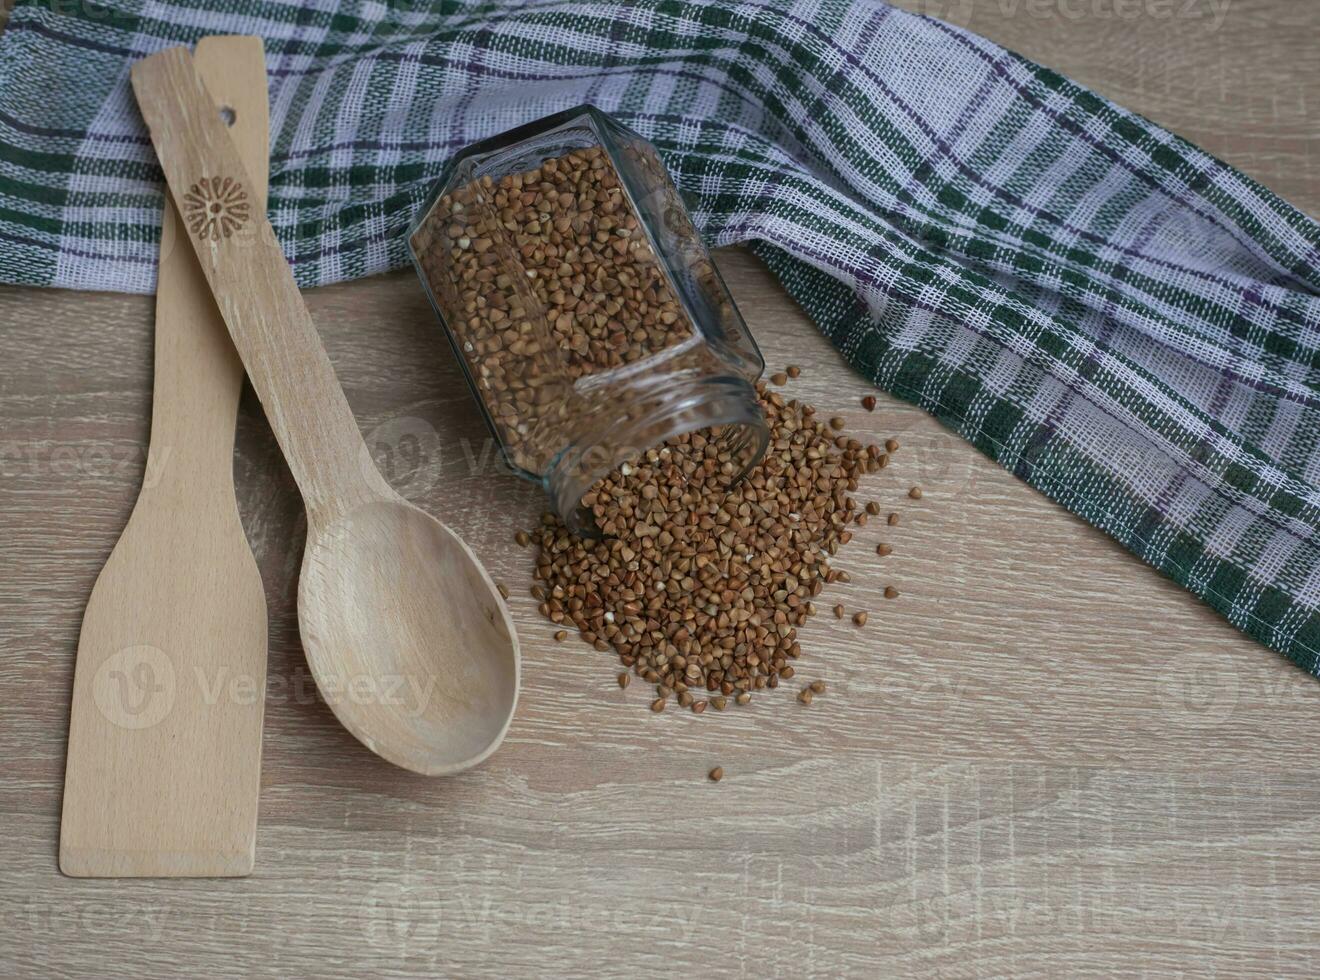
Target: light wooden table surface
{"points": [[1042, 759]]}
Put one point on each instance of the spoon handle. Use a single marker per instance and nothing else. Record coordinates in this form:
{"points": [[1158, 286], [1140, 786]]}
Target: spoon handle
{"points": [[254, 288]]}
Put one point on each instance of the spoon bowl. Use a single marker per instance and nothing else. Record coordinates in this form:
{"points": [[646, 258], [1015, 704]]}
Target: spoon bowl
{"points": [[410, 643]]}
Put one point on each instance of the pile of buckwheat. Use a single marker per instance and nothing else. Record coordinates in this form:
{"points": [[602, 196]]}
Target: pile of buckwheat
{"points": [[699, 588], [545, 277]]}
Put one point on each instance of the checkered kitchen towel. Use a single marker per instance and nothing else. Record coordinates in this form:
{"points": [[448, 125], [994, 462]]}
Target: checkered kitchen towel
{"points": [[1124, 321]]}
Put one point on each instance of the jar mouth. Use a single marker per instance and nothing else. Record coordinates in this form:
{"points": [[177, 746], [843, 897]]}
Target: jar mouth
{"points": [[612, 438]]}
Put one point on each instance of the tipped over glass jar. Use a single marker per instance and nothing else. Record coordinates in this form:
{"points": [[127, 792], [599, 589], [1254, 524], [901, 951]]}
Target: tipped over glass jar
{"points": [[586, 312]]}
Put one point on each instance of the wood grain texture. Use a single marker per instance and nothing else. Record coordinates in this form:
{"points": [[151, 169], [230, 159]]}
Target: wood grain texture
{"points": [[163, 774], [1041, 759]]}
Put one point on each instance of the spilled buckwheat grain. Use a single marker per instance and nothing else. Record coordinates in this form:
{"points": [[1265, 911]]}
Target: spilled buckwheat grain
{"points": [[698, 587]]}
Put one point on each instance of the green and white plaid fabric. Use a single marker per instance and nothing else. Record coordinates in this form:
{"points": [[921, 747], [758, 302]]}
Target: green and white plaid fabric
{"points": [[1124, 321]]}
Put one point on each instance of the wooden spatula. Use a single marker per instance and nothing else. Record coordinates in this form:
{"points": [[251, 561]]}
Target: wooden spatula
{"points": [[164, 757]]}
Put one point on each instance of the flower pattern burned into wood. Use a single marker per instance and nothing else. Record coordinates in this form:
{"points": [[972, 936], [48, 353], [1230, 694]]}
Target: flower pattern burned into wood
{"points": [[215, 207]]}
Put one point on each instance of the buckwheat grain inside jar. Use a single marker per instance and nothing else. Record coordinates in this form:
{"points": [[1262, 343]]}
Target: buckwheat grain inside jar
{"points": [[587, 314]]}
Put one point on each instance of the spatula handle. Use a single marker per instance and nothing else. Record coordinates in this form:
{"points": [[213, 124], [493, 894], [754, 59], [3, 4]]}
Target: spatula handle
{"points": [[254, 288]]}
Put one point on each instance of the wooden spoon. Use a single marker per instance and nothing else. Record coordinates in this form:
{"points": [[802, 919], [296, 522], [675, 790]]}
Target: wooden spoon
{"points": [[408, 639], [164, 760]]}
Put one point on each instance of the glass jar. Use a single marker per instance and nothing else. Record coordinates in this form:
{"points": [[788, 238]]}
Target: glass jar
{"points": [[588, 317]]}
